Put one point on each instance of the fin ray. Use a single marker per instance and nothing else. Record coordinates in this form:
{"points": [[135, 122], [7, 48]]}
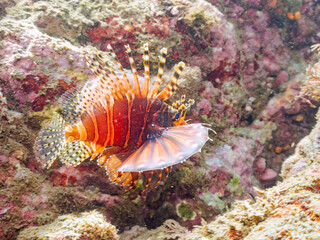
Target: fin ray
{"points": [[175, 145], [145, 88], [50, 141], [173, 84], [162, 61], [136, 85], [127, 84], [75, 152]]}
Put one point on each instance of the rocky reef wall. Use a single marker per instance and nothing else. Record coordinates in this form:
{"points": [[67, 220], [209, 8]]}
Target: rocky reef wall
{"points": [[246, 64]]}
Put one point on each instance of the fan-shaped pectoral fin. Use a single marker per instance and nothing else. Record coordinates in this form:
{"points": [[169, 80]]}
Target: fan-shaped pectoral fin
{"points": [[175, 145]]}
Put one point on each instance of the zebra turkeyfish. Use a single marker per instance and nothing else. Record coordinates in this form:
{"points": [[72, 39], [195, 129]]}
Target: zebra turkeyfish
{"points": [[129, 129]]}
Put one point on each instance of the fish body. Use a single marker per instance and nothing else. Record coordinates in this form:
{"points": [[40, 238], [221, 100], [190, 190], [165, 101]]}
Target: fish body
{"points": [[125, 124], [128, 128]]}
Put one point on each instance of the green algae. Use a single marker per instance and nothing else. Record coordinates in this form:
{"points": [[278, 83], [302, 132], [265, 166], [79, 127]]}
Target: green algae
{"points": [[185, 211], [213, 200]]}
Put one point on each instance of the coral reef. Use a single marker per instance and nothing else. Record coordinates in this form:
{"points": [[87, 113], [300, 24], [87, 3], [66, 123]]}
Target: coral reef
{"points": [[28, 198], [244, 64], [288, 210], [169, 230], [36, 68], [86, 225], [311, 87]]}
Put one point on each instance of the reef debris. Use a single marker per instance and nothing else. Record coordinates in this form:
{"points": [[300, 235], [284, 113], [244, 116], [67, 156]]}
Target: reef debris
{"points": [[85, 225]]}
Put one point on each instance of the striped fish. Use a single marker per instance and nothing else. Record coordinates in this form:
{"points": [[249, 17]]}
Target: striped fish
{"points": [[127, 128]]}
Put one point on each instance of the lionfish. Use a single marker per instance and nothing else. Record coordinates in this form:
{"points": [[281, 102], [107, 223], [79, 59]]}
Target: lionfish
{"points": [[129, 129]]}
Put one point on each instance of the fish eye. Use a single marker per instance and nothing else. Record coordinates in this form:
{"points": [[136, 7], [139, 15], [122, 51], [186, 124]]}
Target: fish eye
{"points": [[177, 116]]}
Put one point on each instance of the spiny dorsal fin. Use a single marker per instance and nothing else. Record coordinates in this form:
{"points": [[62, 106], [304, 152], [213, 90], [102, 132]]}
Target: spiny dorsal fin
{"points": [[104, 62], [75, 103], [127, 84], [172, 86], [145, 88], [162, 61], [103, 77], [136, 85], [92, 97], [121, 87]]}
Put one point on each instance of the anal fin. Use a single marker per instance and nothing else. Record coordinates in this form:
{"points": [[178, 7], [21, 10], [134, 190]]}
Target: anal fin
{"points": [[111, 159]]}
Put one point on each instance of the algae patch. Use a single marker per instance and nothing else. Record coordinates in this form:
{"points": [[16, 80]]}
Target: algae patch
{"points": [[184, 210]]}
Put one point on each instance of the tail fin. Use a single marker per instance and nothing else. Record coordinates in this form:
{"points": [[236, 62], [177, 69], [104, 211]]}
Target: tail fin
{"points": [[51, 141]]}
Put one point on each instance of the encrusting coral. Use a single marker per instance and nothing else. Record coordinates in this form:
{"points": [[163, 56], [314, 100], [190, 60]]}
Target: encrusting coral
{"points": [[311, 88], [288, 210], [73, 226], [169, 230]]}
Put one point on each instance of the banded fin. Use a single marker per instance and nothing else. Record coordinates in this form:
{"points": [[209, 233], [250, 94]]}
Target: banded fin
{"points": [[107, 79], [173, 84], [119, 87], [174, 146], [111, 160], [162, 61], [51, 144], [75, 152], [127, 84], [50, 141], [136, 84], [152, 178], [71, 109], [145, 88]]}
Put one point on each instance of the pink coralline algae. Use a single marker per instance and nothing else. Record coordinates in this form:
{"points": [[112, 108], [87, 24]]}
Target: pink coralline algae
{"points": [[107, 35], [281, 78], [127, 33], [33, 91], [237, 159], [268, 175], [261, 165], [205, 106], [22, 75], [273, 51]]}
